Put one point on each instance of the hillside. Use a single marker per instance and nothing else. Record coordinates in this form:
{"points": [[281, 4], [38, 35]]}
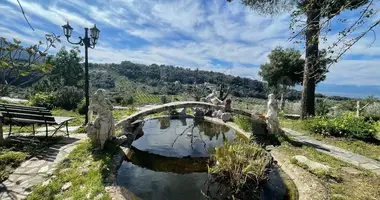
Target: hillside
{"points": [[158, 76]]}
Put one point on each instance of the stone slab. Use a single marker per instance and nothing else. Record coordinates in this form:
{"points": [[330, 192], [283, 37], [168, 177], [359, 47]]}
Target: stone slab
{"points": [[336, 152]]}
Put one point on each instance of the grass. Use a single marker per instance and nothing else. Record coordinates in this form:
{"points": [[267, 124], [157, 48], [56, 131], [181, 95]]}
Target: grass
{"points": [[357, 146], [244, 123], [121, 114], [84, 169], [341, 184], [77, 121]]}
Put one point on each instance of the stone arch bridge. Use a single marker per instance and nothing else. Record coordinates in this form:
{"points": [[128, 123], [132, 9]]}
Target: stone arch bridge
{"points": [[172, 106]]}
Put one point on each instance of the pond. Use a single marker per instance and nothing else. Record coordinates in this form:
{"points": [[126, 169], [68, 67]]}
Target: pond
{"points": [[169, 161]]}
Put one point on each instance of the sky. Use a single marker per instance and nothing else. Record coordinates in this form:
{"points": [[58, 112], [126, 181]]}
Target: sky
{"points": [[205, 34]]}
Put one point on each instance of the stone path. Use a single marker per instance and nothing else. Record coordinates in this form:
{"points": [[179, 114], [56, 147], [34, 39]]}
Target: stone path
{"points": [[336, 152], [37, 169]]}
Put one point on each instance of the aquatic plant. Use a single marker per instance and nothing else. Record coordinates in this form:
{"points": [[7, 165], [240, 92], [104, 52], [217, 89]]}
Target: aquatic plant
{"points": [[239, 168]]}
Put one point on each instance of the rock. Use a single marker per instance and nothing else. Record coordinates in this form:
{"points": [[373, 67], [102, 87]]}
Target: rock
{"points": [[182, 111], [84, 171], [311, 164], [45, 183], [66, 186], [226, 116], [351, 170], [64, 170], [99, 196]]}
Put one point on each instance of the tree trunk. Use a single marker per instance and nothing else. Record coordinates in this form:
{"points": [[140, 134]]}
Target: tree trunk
{"points": [[1, 134], [312, 41], [282, 100]]}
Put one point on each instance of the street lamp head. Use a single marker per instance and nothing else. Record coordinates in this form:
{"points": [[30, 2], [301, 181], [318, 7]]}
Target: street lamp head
{"points": [[95, 33], [67, 30]]}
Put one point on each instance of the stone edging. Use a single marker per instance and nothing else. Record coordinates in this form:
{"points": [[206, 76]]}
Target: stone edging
{"points": [[308, 186]]}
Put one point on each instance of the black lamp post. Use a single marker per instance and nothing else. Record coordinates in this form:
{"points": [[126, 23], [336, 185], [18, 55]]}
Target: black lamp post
{"points": [[87, 42]]}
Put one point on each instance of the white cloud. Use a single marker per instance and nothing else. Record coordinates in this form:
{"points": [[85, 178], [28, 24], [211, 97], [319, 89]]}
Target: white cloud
{"points": [[186, 33]]}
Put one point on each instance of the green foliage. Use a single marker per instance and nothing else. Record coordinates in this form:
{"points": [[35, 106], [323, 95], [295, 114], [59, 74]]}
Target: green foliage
{"points": [[244, 123], [82, 107], [240, 167], [21, 65], [68, 97], [128, 100], [322, 107], [284, 67], [43, 100], [346, 125], [163, 99], [67, 71]]}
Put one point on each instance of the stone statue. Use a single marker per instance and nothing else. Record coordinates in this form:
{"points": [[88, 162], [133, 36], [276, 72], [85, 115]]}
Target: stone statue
{"points": [[211, 96], [103, 126], [227, 106], [271, 116]]}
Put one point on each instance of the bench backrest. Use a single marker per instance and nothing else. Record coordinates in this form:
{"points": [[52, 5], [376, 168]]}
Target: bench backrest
{"points": [[9, 111]]}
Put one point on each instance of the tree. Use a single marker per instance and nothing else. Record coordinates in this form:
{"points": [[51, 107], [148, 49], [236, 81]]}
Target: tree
{"points": [[67, 71], [284, 69], [315, 11], [17, 61], [21, 65]]}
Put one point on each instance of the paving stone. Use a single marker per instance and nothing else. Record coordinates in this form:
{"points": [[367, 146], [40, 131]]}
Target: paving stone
{"points": [[44, 169], [338, 153], [351, 170], [370, 166], [45, 183], [32, 172], [312, 165]]}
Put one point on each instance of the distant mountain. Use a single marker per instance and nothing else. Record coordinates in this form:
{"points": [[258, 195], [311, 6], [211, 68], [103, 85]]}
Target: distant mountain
{"points": [[353, 91]]}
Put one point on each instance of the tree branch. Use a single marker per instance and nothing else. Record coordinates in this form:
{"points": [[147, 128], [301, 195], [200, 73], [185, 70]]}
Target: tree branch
{"points": [[23, 13]]}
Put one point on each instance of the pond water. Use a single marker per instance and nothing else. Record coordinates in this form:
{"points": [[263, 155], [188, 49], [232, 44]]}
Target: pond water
{"points": [[170, 161]]}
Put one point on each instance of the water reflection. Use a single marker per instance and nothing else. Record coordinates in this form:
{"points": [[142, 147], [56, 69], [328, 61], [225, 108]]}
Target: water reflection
{"points": [[182, 137], [160, 166]]}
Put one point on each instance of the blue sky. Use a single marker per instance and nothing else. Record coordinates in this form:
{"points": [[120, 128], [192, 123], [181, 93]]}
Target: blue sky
{"points": [[206, 34]]}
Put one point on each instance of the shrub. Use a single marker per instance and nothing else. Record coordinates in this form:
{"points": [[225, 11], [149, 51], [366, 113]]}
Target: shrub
{"points": [[82, 107], [68, 97], [240, 168], [129, 100], [43, 100], [163, 99], [322, 107], [346, 125]]}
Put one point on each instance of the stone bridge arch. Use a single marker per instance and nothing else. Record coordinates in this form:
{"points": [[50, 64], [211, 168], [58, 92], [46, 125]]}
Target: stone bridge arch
{"points": [[175, 105]]}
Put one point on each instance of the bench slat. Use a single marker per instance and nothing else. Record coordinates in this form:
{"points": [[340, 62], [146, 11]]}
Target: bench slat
{"points": [[20, 106], [46, 113], [12, 115]]}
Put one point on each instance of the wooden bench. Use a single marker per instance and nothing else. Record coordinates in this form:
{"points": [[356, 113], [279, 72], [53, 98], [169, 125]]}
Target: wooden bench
{"points": [[28, 115]]}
